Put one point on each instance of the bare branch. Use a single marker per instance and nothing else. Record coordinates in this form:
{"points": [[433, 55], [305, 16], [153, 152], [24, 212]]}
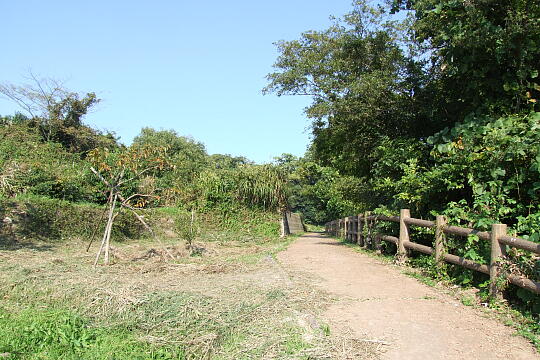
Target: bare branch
{"points": [[100, 177]]}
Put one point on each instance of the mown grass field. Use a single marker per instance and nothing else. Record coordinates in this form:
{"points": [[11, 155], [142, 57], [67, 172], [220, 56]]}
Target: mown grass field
{"points": [[229, 299]]}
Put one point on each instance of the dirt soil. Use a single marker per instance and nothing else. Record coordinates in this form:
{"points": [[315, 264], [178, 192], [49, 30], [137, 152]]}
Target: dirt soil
{"points": [[409, 319]]}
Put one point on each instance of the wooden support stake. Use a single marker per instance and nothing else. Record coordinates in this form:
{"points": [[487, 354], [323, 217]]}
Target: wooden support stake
{"points": [[109, 229], [440, 239], [403, 235], [498, 254]]}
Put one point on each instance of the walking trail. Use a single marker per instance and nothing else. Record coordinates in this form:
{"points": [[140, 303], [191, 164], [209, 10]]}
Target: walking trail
{"points": [[412, 320]]}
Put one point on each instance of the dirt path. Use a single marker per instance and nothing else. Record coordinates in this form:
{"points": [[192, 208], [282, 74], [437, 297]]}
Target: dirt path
{"points": [[412, 320]]}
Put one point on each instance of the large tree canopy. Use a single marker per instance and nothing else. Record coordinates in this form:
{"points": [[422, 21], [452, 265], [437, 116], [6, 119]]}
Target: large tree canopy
{"points": [[484, 54], [371, 78], [362, 82]]}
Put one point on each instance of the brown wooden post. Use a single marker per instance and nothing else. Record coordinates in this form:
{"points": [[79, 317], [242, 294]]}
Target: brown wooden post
{"points": [[440, 239], [360, 231], [403, 235], [367, 224], [370, 231], [350, 227], [346, 227], [353, 229], [349, 223], [498, 253], [352, 237], [377, 243]]}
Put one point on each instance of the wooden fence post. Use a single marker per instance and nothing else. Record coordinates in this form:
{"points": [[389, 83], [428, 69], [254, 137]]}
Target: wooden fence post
{"points": [[440, 239], [377, 243], [354, 230], [352, 236], [498, 253], [368, 230], [351, 228], [360, 231], [403, 235]]}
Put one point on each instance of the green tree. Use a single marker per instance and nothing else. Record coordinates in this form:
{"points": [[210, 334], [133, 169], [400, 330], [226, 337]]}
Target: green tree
{"points": [[362, 83], [484, 54], [319, 193], [187, 159], [226, 161], [58, 113]]}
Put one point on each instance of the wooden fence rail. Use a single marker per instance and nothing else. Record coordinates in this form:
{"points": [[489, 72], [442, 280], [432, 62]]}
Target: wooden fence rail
{"points": [[360, 229]]}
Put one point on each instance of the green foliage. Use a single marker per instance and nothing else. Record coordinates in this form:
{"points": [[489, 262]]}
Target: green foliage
{"points": [[185, 156], [256, 186], [319, 193], [498, 166], [56, 113], [187, 226], [28, 165], [220, 161], [436, 113], [54, 334], [361, 82], [484, 54], [35, 217]]}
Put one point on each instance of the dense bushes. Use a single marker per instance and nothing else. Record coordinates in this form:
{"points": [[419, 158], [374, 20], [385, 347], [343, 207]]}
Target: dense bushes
{"points": [[36, 217], [30, 165], [49, 192]]}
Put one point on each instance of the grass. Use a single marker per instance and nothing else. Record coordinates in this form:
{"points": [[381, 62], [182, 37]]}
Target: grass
{"points": [[421, 277], [232, 301], [54, 334]]}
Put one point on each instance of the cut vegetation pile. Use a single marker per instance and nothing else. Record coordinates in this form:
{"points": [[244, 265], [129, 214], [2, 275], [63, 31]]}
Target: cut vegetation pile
{"points": [[229, 299]]}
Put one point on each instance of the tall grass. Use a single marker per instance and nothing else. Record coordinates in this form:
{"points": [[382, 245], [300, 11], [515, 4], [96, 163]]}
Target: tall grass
{"points": [[258, 186]]}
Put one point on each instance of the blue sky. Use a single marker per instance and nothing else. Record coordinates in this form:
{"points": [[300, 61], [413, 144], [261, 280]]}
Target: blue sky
{"points": [[195, 67]]}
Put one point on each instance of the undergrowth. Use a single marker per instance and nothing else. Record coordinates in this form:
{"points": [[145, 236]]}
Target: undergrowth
{"points": [[60, 334]]}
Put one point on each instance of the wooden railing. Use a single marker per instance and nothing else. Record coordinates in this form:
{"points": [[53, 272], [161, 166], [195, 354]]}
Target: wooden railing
{"points": [[352, 228]]}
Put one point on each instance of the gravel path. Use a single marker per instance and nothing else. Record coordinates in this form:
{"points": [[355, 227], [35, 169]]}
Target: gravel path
{"points": [[409, 319]]}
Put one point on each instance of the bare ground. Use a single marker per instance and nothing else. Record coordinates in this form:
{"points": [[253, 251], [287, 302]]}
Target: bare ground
{"points": [[405, 318]]}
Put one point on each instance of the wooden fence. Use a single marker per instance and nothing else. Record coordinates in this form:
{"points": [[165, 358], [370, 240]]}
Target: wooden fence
{"points": [[352, 228]]}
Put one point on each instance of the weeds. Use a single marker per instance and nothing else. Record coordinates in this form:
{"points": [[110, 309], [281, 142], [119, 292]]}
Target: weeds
{"points": [[234, 301]]}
